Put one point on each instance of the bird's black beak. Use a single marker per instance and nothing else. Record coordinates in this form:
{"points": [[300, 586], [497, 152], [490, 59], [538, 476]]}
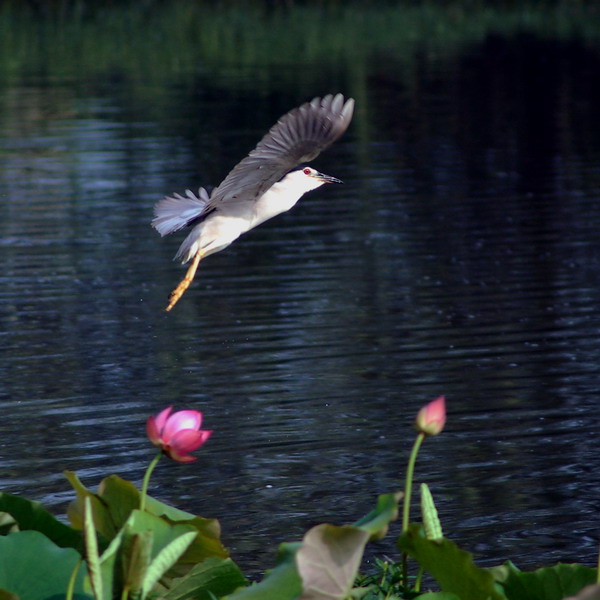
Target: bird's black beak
{"points": [[328, 178]]}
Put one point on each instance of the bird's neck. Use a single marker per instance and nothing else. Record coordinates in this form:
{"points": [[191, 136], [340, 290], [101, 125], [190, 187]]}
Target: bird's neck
{"points": [[281, 196]]}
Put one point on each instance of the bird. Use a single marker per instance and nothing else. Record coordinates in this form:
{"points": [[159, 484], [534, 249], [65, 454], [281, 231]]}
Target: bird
{"points": [[268, 182]]}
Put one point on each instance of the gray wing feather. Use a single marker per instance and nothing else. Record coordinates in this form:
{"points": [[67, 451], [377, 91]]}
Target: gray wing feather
{"points": [[299, 136], [176, 212]]}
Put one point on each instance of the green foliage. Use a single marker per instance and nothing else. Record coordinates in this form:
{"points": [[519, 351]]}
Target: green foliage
{"points": [[32, 567], [438, 596], [590, 592], [163, 552], [126, 550], [117, 499], [174, 555], [458, 576], [168, 553], [141, 553], [162, 548], [325, 564], [328, 560], [330, 556], [549, 583], [386, 510], [431, 521], [114, 39], [281, 583], [91, 551], [452, 568], [103, 523], [385, 583], [212, 577], [19, 514], [129, 553]]}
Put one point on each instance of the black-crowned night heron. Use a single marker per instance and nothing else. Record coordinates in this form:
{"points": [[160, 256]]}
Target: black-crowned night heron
{"points": [[269, 181]]}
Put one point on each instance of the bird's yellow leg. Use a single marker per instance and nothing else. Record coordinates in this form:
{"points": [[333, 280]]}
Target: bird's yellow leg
{"points": [[184, 284]]}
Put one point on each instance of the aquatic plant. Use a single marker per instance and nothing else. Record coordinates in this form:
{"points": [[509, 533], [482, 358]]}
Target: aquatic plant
{"points": [[177, 434], [122, 543], [432, 417]]}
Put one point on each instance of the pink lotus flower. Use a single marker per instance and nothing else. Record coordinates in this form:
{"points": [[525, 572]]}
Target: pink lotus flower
{"points": [[177, 434], [432, 417]]}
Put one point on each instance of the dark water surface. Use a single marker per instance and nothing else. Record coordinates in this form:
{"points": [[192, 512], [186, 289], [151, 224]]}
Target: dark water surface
{"points": [[461, 257]]}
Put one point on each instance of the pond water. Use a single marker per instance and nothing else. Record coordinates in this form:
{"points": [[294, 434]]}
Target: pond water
{"points": [[461, 257]]}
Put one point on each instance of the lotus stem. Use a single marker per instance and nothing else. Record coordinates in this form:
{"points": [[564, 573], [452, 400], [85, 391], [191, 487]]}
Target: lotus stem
{"points": [[72, 579], [146, 480], [410, 470]]}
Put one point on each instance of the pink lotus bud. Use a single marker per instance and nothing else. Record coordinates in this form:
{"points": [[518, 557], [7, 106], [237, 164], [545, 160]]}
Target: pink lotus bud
{"points": [[177, 434], [432, 417]]}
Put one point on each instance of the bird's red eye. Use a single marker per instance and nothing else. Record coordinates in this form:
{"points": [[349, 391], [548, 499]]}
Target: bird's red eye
{"points": [[307, 171]]}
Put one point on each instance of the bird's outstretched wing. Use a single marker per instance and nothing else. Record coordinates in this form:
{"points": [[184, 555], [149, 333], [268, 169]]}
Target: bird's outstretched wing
{"points": [[298, 137]]}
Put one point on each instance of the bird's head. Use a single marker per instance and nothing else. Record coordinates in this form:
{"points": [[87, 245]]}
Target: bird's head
{"points": [[321, 178], [305, 178]]}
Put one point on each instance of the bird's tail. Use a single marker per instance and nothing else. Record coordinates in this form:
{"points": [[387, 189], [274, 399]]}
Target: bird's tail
{"points": [[176, 212]]}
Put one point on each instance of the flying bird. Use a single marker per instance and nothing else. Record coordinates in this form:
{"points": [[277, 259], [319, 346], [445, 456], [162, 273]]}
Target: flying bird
{"points": [[269, 181]]}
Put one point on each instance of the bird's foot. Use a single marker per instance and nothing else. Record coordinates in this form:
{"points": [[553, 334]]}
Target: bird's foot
{"points": [[184, 284]]}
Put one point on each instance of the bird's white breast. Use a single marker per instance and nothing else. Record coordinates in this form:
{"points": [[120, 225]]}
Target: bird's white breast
{"points": [[235, 218]]}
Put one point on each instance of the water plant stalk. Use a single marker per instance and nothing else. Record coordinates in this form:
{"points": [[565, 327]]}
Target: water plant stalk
{"points": [[409, 480], [146, 480], [410, 470], [71, 586]]}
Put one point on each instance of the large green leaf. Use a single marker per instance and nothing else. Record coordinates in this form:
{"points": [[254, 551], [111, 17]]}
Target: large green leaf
{"points": [[160, 551], [103, 521], [118, 498], [34, 568], [26, 514], [325, 564], [328, 560], [281, 583], [163, 532], [207, 543], [121, 498], [549, 583], [138, 549], [330, 556], [376, 522], [141, 552], [213, 576], [165, 559], [452, 567], [161, 509], [590, 592]]}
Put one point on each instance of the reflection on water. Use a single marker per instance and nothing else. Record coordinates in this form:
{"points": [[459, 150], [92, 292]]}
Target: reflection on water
{"points": [[461, 257]]}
